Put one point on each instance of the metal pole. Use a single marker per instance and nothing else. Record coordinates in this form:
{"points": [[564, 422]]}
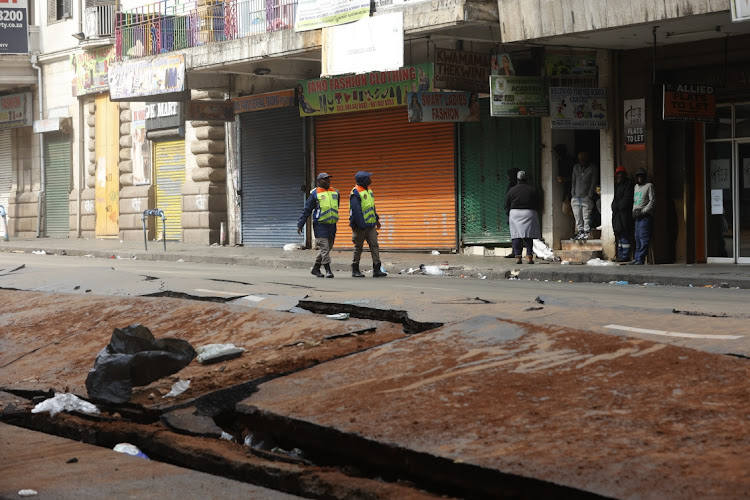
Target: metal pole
{"points": [[164, 230], [145, 238]]}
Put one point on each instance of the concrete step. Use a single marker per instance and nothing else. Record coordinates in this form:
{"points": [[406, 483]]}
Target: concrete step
{"points": [[578, 256], [581, 244]]}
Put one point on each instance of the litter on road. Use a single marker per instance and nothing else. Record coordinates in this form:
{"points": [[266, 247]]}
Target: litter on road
{"points": [[64, 402]]}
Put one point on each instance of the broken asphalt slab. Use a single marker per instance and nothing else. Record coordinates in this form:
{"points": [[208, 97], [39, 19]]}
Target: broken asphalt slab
{"points": [[488, 407], [58, 468]]}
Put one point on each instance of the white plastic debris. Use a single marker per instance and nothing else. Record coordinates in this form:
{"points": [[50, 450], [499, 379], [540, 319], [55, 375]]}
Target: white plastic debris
{"points": [[431, 270], [340, 316], [64, 402], [27, 493], [290, 247], [599, 262], [542, 251], [177, 388], [129, 449], [227, 436], [39, 252], [435, 252], [210, 351]]}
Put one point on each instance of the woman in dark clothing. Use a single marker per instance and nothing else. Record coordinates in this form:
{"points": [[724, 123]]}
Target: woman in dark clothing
{"points": [[521, 203]]}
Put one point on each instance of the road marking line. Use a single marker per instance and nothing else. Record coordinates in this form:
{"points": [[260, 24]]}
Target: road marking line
{"points": [[218, 292], [674, 334]]}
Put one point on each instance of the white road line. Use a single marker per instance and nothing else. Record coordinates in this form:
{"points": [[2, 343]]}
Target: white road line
{"points": [[674, 334], [218, 292], [425, 288]]}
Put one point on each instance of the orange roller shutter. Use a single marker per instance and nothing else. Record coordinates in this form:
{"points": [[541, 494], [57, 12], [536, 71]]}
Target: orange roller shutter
{"points": [[413, 166]]}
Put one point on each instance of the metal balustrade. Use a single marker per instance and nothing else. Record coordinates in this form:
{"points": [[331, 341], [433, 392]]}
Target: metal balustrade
{"points": [[100, 21], [167, 25]]}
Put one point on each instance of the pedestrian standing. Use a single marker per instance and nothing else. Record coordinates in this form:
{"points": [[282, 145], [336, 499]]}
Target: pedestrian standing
{"points": [[583, 188], [643, 213], [364, 221], [512, 181], [521, 204], [622, 214], [323, 205]]}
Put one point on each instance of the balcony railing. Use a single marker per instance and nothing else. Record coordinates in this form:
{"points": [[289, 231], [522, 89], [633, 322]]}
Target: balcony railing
{"points": [[167, 26], [100, 21]]}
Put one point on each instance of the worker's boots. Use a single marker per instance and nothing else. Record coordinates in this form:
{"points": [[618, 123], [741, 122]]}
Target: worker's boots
{"points": [[356, 272], [377, 271], [329, 274], [315, 271]]}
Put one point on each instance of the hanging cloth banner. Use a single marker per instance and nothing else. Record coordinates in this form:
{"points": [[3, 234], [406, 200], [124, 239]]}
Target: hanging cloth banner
{"points": [[314, 14]]}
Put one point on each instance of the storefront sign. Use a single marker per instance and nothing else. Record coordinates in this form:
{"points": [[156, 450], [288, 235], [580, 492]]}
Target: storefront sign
{"points": [[518, 96], [141, 149], [502, 64], [51, 125], [572, 63], [578, 108], [634, 121], [374, 90], [443, 107], [389, 4], [15, 111], [260, 102], [161, 78], [161, 115], [210, 110], [370, 44], [457, 70], [90, 69], [14, 27], [314, 14], [686, 102]]}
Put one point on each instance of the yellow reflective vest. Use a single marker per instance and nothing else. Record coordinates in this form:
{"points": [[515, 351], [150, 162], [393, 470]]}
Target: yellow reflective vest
{"points": [[368, 204], [328, 205]]}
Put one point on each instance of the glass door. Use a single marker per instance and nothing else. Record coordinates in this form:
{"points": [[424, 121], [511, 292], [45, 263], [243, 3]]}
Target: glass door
{"points": [[743, 210], [720, 219]]}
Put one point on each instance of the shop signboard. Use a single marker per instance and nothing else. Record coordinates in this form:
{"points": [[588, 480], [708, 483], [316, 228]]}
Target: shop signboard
{"points": [[686, 102], [15, 111], [90, 69], [222, 111], [161, 78], [14, 27], [164, 115], [458, 70], [570, 63], [141, 148], [260, 102], [314, 14], [370, 44], [634, 124], [443, 107], [373, 90], [391, 4], [578, 108], [518, 96]]}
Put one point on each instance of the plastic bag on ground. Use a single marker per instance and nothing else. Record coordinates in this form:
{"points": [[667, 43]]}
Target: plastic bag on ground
{"points": [[431, 270], [129, 449], [290, 247], [599, 262], [133, 358], [64, 402], [212, 353], [177, 388], [542, 251]]}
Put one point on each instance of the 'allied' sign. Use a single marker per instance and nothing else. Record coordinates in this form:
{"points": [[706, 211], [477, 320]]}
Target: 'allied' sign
{"points": [[686, 102]]}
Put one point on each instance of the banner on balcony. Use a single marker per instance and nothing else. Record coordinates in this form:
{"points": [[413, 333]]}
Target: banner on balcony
{"points": [[153, 80], [578, 108], [141, 148], [443, 107], [370, 44], [90, 70], [260, 102], [387, 4], [314, 14], [518, 96], [374, 90], [15, 111], [457, 70], [14, 27]]}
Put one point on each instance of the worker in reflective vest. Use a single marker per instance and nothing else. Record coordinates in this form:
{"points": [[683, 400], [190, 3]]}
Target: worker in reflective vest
{"points": [[364, 221], [323, 205]]}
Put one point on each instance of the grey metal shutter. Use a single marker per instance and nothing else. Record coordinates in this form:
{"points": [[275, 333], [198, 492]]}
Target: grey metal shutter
{"points": [[6, 168], [57, 169], [273, 171]]}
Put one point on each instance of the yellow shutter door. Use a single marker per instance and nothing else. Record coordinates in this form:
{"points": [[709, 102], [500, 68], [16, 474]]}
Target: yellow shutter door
{"points": [[169, 173], [413, 166], [107, 190]]}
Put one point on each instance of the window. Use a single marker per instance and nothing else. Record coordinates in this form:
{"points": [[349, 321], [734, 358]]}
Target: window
{"points": [[57, 10]]}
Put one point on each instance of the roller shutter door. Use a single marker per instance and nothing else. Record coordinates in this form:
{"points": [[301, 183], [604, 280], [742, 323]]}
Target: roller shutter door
{"points": [[169, 166], [57, 189], [6, 168], [413, 167], [488, 150], [273, 177]]}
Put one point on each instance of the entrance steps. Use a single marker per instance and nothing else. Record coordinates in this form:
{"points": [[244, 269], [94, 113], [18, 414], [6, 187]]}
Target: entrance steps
{"points": [[581, 251]]}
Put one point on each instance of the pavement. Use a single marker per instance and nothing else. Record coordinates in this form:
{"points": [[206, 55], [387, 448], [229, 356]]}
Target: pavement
{"points": [[447, 264]]}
